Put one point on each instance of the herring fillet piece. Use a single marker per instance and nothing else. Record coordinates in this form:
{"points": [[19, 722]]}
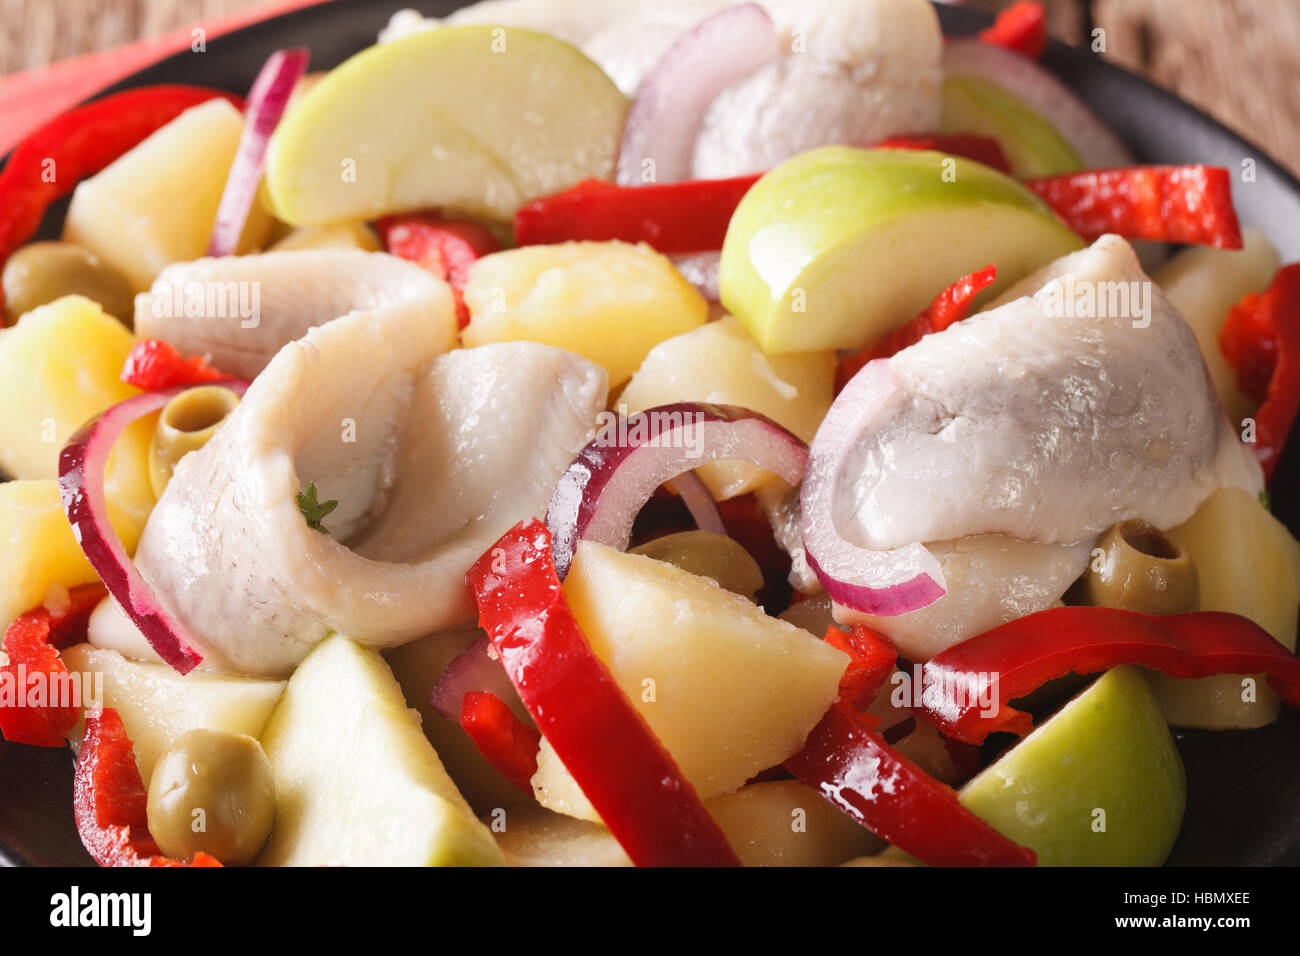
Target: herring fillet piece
{"points": [[446, 452], [1043, 427], [202, 307], [853, 73]]}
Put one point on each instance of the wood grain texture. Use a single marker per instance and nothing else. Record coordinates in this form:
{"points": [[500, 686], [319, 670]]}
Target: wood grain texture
{"points": [[1238, 60], [36, 32]]}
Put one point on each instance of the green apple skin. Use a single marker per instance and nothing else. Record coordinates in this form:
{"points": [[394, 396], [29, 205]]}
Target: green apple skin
{"points": [[1032, 144], [1107, 749], [357, 783], [474, 118], [838, 246]]}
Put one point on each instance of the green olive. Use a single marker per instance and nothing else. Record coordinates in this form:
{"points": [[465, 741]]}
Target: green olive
{"points": [[44, 271], [1141, 569], [212, 792], [185, 425], [711, 555]]}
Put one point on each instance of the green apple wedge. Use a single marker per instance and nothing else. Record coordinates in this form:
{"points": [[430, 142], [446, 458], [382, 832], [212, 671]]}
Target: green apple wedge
{"points": [[476, 118], [838, 246], [1031, 143], [356, 782], [1099, 783]]}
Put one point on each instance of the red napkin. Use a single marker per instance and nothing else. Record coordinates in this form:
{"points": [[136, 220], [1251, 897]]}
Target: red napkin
{"points": [[30, 98]]}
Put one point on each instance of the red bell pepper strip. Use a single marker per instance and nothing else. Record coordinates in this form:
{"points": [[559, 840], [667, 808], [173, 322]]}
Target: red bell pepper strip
{"points": [[154, 365], [1021, 27], [110, 801], [613, 755], [1189, 204], [851, 766], [1015, 658], [982, 149], [509, 744], [871, 660], [949, 306], [1261, 340], [36, 676], [445, 247], [682, 217], [673, 217], [50, 162]]}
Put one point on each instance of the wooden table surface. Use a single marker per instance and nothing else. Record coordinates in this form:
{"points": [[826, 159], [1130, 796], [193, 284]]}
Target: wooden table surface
{"points": [[1236, 59]]}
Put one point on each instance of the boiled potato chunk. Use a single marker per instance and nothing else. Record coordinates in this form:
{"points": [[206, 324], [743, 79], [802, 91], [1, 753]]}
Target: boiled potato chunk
{"points": [[727, 689], [535, 836], [787, 823], [1099, 783], [610, 302], [357, 783], [838, 246], [343, 235], [60, 367], [1248, 564], [417, 667], [37, 549], [158, 705], [721, 363], [775, 823], [478, 118], [156, 204], [1205, 284]]}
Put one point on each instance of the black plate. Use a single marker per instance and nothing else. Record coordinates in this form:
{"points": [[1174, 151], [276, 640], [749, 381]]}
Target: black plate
{"points": [[1243, 787]]}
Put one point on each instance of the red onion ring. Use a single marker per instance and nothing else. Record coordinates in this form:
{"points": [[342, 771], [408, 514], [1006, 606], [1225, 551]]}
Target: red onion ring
{"points": [[81, 489], [476, 668], [699, 502], [604, 488], [1097, 146], [884, 583], [669, 105], [263, 109]]}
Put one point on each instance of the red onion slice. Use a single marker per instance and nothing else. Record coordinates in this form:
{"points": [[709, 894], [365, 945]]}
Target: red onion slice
{"points": [[476, 668], [885, 583], [1025, 79], [81, 489], [599, 496], [699, 502], [265, 105], [669, 105]]}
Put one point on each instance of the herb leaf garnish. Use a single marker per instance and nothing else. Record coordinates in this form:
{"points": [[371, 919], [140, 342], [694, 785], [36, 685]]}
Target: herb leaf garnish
{"points": [[313, 510]]}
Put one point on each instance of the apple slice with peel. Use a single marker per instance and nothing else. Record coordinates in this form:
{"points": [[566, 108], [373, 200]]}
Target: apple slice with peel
{"points": [[838, 246], [1100, 783], [727, 689], [1033, 145], [356, 782], [477, 118], [158, 705]]}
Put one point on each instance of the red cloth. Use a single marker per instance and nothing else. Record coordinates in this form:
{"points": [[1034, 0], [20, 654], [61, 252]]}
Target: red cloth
{"points": [[30, 98]]}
